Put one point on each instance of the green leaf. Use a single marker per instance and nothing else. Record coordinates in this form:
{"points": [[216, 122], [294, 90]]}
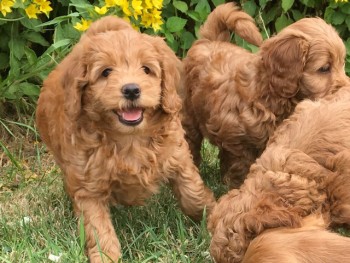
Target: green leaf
{"points": [[188, 39], [282, 22], [180, 5], [175, 24], [262, 3], [347, 22], [16, 45], [4, 60], [328, 14], [58, 44], [218, 2], [338, 19], [203, 9], [297, 15], [31, 56], [345, 8], [169, 37], [250, 7], [309, 3], [35, 37], [194, 15], [270, 15], [29, 89], [31, 23], [59, 19], [287, 4]]}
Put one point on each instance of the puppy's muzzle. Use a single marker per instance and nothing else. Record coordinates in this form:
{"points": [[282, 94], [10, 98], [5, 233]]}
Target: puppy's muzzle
{"points": [[132, 115], [131, 91]]}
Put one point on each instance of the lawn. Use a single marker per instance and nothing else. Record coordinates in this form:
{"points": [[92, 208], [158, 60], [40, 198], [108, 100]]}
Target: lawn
{"points": [[37, 223]]}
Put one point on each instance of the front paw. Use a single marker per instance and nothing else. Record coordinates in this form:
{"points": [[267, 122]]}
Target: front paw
{"points": [[104, 257]]}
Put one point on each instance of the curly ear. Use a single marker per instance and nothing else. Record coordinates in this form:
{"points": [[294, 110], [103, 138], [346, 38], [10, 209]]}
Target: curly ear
{"points": [[284, 58], [171, 76], [70, 75]]}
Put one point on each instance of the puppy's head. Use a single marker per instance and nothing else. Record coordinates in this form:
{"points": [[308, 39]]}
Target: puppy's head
{"points": [[305, 60], [120, 78]]}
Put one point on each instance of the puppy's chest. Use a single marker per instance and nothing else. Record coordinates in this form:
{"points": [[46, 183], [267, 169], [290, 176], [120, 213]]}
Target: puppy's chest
{"points": [[132, 164]]}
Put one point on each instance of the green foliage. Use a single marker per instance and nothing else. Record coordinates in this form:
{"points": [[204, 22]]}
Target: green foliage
{"points": [[31, 47]]}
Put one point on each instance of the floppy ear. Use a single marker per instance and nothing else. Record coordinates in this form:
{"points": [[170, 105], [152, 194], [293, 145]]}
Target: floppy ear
{"points": [[70, 75], [171, 77], [284, 58]]}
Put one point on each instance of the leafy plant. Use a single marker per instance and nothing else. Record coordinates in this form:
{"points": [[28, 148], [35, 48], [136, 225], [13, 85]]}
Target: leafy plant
{"points": [[36, 35]]}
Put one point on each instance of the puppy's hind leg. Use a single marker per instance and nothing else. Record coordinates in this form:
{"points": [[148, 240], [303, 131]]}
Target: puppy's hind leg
{"points": [[193, 196], [193, 134]]}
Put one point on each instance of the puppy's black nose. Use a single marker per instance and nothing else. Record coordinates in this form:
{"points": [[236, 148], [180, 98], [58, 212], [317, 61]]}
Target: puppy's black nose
{"points": [[131, 91]]}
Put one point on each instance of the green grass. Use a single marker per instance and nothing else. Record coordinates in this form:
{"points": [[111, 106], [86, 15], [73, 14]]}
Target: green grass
{"points": [[36, 217]]}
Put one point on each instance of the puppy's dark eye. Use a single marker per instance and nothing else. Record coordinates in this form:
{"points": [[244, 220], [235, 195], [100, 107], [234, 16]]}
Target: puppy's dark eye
{"points": [[106, 72], [146, 70], [324, 69]]}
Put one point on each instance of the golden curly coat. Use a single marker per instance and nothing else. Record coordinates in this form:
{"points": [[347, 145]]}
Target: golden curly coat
{"points": [[236, 99], [109, 113], [305, 170]]}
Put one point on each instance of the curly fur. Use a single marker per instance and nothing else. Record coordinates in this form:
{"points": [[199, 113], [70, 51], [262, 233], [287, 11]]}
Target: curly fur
{"points": [[304, 170], [310, 243], [86, 117], [236, 99]]}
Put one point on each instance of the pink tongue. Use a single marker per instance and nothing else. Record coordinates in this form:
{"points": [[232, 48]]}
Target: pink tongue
{"points": [[132, 115]]}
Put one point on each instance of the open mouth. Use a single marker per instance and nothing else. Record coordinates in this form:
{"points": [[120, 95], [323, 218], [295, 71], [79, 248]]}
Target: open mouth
{"points": [[130, 117]]}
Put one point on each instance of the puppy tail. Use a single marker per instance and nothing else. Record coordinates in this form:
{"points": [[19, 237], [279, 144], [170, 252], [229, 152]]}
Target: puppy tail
{"points": [[308, 244], [228, 18]]}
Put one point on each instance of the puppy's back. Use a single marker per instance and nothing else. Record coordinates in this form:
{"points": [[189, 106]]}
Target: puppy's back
{"points": [[309, 244]]}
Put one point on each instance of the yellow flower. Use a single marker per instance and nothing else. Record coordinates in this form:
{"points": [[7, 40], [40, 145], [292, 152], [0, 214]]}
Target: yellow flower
{"points": [[148, 4], [153, 19], [156, 14], [157, 4], [137, 6], [32, 11], [342, 1], [111, 3], [146, 19], [83, 25], [5, 6], [45, 7], [124, 4], [39, 2], [156, 25], [101, 11]]}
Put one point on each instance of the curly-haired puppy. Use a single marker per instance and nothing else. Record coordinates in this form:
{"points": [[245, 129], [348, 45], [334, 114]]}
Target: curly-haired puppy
{"points": [[304, 170], [109, 113], [236, 98], [310, 243]]}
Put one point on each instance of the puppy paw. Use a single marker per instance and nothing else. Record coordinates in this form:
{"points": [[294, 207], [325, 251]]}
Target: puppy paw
{"points": [[104, 257]]}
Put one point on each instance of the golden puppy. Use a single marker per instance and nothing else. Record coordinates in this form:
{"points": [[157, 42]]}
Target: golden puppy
{"points": [[310, 243], [109, 113], [304, 170], [236, 99]]}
